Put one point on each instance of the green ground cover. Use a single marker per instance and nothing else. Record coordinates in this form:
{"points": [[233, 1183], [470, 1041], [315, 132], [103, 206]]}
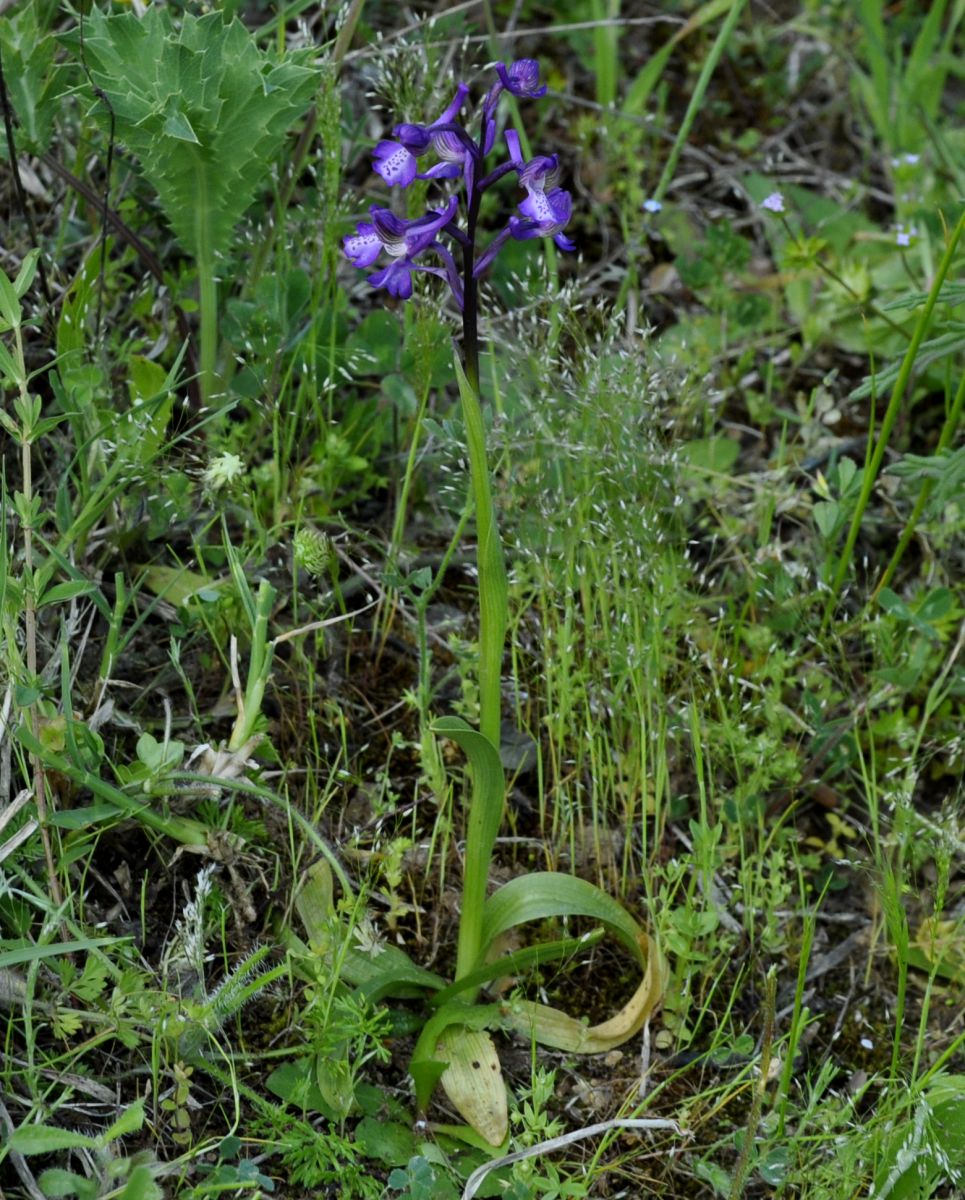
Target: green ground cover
{"points": [[523, 765]]}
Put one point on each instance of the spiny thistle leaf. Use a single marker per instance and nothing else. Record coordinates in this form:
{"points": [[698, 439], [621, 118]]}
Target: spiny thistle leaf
{"points": [[34, 82], [201, 107]]}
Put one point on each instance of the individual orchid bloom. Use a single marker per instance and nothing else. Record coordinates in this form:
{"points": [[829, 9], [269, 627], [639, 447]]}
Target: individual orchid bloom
{"points": [[521, 78], [396, 161], [545, 213], [396, 278], [399, 237], [403, 240]]}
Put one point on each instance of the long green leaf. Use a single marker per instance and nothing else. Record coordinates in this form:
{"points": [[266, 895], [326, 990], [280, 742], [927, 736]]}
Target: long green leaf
{"points": [[26, 954], [518, 961], [493, 588], [485, 815], [48, 1139], [638, 93], [551, 894]]}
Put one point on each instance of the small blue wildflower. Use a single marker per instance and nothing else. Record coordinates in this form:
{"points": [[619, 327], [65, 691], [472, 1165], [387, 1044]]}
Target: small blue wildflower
{"points": [[652, 206], [774, 203], [903, 236]]}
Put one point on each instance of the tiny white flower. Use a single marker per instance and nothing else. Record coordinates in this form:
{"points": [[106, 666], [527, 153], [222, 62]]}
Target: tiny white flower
{"points": [[652, 206], [367, 938], [223, 471]]}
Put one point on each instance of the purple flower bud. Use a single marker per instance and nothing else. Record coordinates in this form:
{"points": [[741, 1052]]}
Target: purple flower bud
{"points": [[522, 78]]}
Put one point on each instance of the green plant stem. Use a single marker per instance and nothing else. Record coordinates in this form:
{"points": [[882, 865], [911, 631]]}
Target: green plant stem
{"points": [[30, 621], [482, 826], [180, 829], [490, 565], [948, 432], [259, 669], [891, 413], [208, 303], [767, 1041]]}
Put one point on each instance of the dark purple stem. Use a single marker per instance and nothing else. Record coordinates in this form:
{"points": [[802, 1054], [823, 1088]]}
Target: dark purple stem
{"points": [[499, 172]]}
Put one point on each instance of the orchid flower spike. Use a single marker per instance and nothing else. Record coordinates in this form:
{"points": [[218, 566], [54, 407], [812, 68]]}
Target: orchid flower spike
{"points": [[544, 213]]}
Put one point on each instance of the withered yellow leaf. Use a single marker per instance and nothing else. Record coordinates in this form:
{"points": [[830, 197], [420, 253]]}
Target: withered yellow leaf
{"points": [[551, 1027]]}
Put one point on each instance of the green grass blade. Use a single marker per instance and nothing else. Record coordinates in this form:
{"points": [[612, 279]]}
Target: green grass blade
{"points": [[891, 413]]}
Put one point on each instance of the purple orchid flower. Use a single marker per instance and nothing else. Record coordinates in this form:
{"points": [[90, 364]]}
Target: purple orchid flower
{"points": [[403, 240], [545, 213], [396, 161], [522, 78]]}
